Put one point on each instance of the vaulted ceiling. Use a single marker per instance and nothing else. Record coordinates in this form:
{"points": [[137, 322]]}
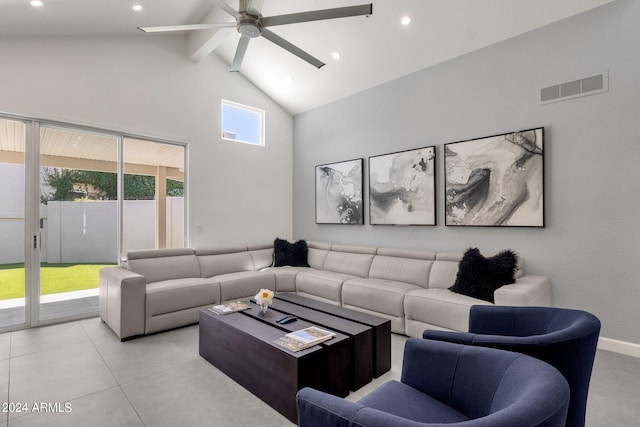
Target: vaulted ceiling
{"points": [[373, 49]]}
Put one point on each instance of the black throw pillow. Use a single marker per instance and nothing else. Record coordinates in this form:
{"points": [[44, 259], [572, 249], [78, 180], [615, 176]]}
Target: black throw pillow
{"points": [[293, 254], [479, 276]]}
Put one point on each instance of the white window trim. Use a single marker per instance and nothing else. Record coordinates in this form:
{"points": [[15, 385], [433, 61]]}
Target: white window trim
{"points": [[261, 113]]}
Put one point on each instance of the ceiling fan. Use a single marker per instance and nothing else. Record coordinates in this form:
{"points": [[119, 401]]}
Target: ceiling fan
{"points": [[251, 24]]}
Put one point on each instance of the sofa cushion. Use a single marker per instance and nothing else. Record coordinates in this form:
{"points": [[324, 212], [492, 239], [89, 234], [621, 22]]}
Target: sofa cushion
{"points": [[316, 257], [319, 245], [317, 253], [180, 294], [214, 262], [286, 277], [410, 270], [157, 253], [440, 307], [324, 284], [379, 295], [367, 250], [293, 254], [244, 284], [163, 264], [261, 255], [479, 276], [444, 269], [355, 264]]}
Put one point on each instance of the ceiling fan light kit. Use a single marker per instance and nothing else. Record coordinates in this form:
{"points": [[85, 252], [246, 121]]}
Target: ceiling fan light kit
{"points": [[250, 24]]}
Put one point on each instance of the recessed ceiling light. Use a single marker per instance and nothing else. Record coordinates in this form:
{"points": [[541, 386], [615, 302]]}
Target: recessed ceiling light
{"points": [[336, 55], [406, 20], [37, 3], [137, 7]]}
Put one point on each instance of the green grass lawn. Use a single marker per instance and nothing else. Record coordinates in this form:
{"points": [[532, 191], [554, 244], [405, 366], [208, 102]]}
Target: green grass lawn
{"points": [[54, 278]]}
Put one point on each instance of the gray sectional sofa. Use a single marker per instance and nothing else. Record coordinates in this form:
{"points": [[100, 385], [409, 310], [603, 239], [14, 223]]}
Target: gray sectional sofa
{"points": [[155, 290]]}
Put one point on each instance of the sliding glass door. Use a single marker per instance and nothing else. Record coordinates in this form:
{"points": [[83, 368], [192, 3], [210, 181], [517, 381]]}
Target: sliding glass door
{"points": [[78, 218], [12, 223], [153, 202], [72, 200]]}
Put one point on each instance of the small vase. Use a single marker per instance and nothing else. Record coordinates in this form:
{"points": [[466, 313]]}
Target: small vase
{"points": [[264, 306]]}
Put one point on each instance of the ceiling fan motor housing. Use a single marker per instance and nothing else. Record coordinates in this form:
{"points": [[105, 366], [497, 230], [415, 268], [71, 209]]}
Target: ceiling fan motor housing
{"points": [[249, 26]]}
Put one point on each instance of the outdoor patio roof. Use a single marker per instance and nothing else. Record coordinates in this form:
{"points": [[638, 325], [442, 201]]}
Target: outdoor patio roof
{"points": [[91, 151]]}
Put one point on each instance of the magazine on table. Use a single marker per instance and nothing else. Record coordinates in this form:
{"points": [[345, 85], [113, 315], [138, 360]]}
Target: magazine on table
{"points": [[304, 338], [229, 307]]}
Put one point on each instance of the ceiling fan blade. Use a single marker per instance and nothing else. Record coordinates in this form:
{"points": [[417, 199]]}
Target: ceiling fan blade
{"points": [[239, 56], [170, 28], [255, 7], [224, 6], [318, 15], [274, 38]]}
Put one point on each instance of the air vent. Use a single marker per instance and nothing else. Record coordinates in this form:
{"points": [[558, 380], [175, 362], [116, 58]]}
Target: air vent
{"points": [[574, 89]]}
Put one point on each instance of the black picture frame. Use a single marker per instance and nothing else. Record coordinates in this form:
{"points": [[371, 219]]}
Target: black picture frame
{"points": [[402, 187], [338, 189], [496, 181]]}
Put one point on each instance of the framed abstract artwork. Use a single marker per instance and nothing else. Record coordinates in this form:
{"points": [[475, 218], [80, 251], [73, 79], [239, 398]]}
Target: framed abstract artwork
{"points": [[496, 180], [402, 188], [339, 193]]}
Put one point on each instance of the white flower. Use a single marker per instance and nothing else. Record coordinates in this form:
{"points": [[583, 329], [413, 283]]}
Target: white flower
{"points": [[264, 296]]}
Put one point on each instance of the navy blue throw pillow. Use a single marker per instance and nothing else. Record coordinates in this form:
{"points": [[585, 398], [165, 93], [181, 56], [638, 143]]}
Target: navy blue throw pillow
{"points": [[479, 276], [293, 254]]}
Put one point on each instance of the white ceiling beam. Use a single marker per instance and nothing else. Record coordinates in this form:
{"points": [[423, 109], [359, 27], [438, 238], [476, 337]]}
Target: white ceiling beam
{"points": [[202, 43]]}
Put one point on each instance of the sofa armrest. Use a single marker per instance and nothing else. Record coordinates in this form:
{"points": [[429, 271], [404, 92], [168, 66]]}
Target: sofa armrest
{"points": [[527, 290], [527, 345], [449, 336], [122, 296], [316, 408]]}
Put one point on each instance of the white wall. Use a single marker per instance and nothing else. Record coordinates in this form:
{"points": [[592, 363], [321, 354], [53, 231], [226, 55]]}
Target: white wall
{"points": [[11, 212], [145, 85], [87, 231], [139, 225], [81, 232], [590, 246], [175, 222], [11, 230]]}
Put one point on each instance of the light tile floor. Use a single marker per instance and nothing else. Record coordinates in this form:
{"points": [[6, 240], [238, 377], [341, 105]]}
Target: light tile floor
{"points": [[160, 380]]}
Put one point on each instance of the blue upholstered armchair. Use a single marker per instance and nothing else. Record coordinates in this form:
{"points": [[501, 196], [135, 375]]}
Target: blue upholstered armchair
{"points": [[564, 338], [446, 383]]}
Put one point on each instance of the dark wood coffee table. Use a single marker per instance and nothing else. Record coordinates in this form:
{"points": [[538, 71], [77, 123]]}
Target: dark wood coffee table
{"points": [[380, 350], [241, 345]]}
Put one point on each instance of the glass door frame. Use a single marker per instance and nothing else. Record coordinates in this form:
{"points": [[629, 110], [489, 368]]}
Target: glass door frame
{"points": [[32, 224]]}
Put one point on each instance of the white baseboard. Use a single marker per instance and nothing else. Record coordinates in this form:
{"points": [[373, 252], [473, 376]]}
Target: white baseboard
{"points": [[622, 347]]}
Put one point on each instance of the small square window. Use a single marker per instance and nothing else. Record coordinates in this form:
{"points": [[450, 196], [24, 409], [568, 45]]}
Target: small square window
{"points": [[242, 123]]}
